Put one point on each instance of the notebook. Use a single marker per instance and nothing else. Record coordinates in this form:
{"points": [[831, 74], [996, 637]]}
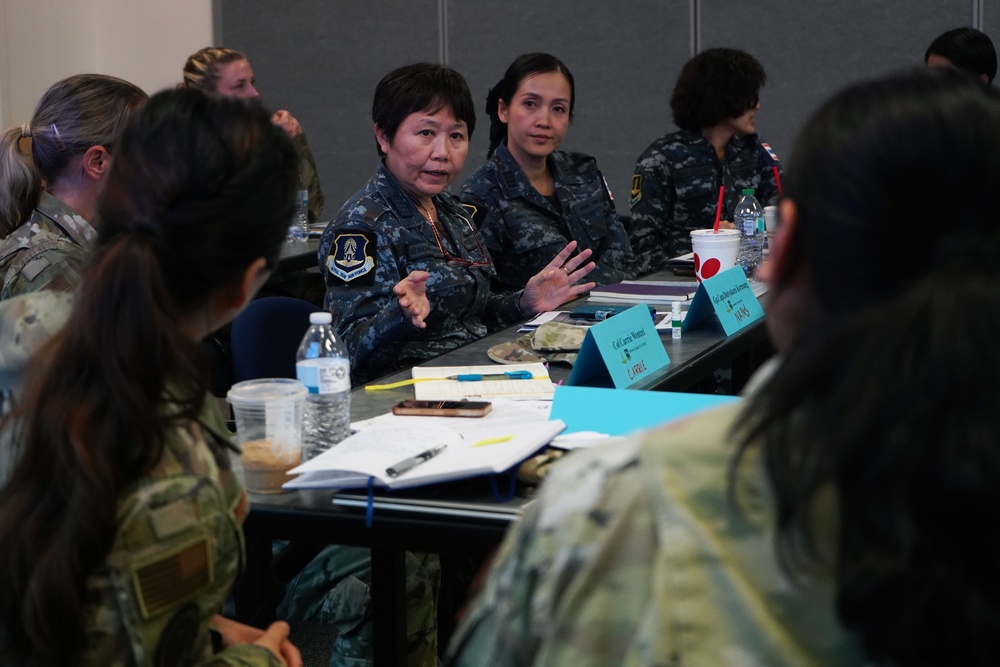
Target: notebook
{"points": [[469, 450]]}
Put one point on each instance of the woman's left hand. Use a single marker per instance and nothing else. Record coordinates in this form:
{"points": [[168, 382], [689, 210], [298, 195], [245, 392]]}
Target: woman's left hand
{"points": [[287, 122], [555, 284]]}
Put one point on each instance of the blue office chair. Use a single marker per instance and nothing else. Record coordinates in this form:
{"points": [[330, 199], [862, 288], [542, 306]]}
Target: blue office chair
{"points": [[264, 340], [266, 336]]}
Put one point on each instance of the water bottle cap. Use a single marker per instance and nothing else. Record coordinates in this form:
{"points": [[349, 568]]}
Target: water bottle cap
{"points": [[320, 318], [747, 191]]}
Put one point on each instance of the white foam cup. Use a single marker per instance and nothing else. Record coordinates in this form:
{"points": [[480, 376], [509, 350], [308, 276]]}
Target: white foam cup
{"points": [[714, 252]]}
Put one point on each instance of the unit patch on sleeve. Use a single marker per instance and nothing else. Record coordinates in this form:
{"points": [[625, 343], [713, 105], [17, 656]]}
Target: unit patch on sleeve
{"points": [[353, 258], [636, 194], [770, 151]]}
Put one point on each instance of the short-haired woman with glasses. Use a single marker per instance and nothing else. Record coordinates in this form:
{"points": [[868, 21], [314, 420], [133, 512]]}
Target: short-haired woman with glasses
{"points": [[402, 244], [675, 187]]}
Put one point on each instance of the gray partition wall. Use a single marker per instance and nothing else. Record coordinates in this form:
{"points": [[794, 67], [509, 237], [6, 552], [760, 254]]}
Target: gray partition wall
{"points": [[321, 59]]}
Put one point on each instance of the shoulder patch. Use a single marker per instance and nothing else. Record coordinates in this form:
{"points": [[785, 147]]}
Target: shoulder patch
{"points": [[352, 258], [770, 151], [636, 193]]}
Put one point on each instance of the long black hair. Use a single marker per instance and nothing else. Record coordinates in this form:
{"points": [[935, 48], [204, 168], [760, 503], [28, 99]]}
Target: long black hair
{"points": [[523, 66], [201, 188], [885, 410]]}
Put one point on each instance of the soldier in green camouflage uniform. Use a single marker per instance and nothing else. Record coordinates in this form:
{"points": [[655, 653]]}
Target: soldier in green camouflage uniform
{"points": [[633, 554], [47, 251], [129, 563], [523, 230], [187, 510], [675, 189], [26, 322], [228, 72], [391, 239]]}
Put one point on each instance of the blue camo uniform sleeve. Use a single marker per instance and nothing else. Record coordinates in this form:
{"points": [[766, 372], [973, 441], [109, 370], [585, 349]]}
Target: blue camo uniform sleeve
{"points": [[652, 206], [525, 230], [616, 261], [767, 159], [358, 261]]}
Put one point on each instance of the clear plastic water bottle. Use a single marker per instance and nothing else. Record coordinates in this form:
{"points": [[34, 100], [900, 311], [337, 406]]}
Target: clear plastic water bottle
{"points": [[749, 219], [299, 230], [322, 365]]}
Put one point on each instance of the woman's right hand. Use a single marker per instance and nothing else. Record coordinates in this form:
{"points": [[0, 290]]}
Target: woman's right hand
{"points": [[275, 640], [413, 301]]}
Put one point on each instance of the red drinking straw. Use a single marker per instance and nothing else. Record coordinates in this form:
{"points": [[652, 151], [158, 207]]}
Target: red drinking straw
{"points": [[718, 209], [777, 179]]}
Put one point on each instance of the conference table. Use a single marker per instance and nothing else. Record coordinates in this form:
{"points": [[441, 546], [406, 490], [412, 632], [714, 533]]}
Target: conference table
{"points": [[310, 516], [298, 255]]}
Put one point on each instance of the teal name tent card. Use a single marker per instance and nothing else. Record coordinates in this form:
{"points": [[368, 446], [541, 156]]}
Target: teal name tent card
{"points": [[730, 297], [619, 351]]}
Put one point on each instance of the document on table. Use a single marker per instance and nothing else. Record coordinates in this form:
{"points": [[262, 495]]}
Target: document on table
{"points": [[438, 388]]}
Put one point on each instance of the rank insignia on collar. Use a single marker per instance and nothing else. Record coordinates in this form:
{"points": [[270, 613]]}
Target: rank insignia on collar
{"points": [[636, 193], [352, 256]]}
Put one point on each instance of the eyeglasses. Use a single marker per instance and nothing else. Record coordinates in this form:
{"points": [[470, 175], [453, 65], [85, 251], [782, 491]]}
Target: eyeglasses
{"points": [[458, 261]]}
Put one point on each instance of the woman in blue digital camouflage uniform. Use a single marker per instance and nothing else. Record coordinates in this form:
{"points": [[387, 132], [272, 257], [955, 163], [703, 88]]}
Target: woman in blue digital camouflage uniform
{"points": [[120, 522], [530, 199], [675, 187], [403, 230]]}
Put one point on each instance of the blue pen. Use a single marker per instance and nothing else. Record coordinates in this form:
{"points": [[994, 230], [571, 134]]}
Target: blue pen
{"points": [[478, 377]]}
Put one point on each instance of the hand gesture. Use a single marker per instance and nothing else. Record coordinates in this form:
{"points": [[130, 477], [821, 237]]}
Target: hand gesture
{"points": [[287, 122], [412, 294], [275, 639], [555, 284]]}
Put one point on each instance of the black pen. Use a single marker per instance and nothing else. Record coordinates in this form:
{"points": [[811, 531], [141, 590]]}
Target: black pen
{"points": [[409, 464]]}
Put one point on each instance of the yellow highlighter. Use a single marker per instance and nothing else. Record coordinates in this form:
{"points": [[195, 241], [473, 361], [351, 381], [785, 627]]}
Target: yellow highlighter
{"points": [[493, 441]]}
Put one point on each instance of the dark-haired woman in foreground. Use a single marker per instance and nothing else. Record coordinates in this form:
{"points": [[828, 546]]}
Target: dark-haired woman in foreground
{"points": [[120, 522], [675, 187], [844, 514], [529, 200]]}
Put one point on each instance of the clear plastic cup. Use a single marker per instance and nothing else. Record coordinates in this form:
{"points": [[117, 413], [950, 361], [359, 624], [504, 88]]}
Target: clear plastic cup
{"points": [[269, 430], [714, 252]]}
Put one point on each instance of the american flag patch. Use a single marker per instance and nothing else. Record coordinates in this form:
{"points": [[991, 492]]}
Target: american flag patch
{"points": [[770, 151]]}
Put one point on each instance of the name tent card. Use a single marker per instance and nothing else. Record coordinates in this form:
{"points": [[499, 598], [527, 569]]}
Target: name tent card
{"points": [[729, 296], [619, 351]]}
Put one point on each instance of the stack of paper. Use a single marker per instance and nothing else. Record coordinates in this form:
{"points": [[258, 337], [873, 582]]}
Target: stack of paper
{"points": [[645, 291], [432, 383]]}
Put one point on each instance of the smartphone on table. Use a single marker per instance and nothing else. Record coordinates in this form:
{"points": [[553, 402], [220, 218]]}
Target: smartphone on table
{"points": [[442, 408]]}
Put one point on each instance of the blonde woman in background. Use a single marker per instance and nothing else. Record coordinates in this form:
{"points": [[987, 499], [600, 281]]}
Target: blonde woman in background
{"points": [[48, 199], [228, 72]]}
